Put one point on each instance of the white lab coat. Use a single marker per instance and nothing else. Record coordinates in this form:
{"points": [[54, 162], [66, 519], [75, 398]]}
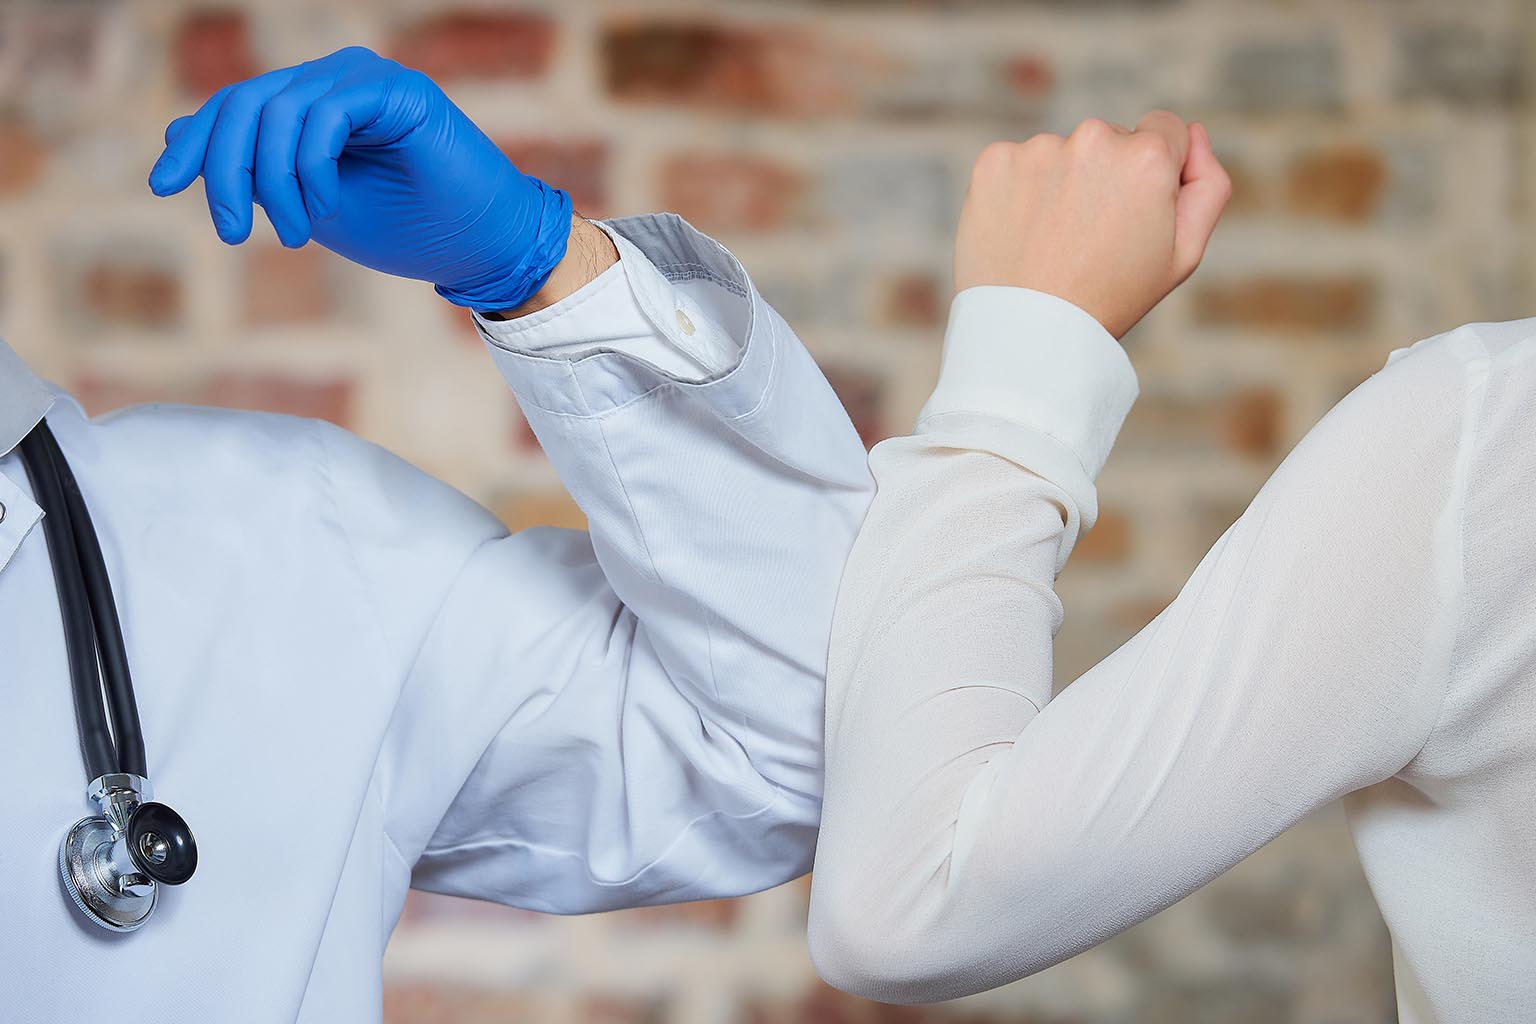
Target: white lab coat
{"points": [[352, 680]]}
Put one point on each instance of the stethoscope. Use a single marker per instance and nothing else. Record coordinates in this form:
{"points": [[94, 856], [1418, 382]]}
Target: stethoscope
{"points": [[113, 863]]}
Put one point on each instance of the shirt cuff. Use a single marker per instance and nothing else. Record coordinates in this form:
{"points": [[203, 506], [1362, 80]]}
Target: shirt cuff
{"points": [[1034, 379], [629, 309]]}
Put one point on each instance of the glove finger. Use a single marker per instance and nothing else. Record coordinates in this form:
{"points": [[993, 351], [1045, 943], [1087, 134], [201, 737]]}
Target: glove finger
{"points": [[182, 160], [277, 147], [231, 156], [331, 121], [176, 127]]}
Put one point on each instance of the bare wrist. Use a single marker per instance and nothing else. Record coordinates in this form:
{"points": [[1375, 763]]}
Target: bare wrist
{"points": [[588, 253]]}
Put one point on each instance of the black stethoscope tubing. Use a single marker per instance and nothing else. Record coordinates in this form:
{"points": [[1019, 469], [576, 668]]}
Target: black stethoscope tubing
{"points": [[112, 863], [98, 659]]}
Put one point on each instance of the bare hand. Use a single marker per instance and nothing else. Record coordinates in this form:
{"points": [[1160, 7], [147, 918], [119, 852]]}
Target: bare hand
{"points": [[1110, 220]]}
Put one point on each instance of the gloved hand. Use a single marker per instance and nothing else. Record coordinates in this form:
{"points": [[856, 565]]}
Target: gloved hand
{"points": [[371, 160]]}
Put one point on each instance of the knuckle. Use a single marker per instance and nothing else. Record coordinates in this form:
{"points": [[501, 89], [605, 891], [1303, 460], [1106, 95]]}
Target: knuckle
{"points": [[243, 100], [1004, 158], [410, 81], [322, 112], [1092, 129], [355, 53], [278, 109], [215, 102], [244, 92], [1045, 142], [1153, 155], [993, 160], [413, 78]]}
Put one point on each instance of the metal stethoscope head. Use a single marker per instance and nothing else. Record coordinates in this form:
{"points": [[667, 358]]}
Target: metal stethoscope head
{"points": [[114, 863]]}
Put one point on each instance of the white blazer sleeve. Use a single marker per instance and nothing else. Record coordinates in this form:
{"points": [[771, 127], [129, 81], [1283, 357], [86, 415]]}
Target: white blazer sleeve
{"points": [[631, 715], [975, 830]]}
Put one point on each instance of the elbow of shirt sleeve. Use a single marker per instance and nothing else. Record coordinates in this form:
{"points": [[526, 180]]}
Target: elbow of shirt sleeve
{"points": [[691, 298], [1037, 381], [856, 945]]}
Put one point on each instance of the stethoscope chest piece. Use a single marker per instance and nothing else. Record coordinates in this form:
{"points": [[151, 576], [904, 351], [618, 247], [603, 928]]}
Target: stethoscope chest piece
{"points": [[114, 863]]}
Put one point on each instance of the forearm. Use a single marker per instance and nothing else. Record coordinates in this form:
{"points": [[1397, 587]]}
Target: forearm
{"points": [[941, 659]]}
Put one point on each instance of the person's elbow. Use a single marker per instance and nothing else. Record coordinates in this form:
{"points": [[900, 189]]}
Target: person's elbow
{"points": [[865, 946]]}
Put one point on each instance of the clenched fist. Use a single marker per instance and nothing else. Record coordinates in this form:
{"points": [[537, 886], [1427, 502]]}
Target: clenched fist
{"points": [[1110, 220]]}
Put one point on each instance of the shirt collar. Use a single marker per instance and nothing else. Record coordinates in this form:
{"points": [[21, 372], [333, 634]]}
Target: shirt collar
{"points": [[24, 399]]}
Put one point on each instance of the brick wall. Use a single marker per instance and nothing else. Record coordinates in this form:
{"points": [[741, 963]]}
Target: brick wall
{"points": [[1382, 161]]}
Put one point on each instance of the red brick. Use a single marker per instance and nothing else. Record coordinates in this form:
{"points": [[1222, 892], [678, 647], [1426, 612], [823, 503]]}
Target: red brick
{"points": [[1251, 421], [22, 154], [1030, 75], [579, 167], [725, 192], [328, 399], [861, 394], [212, 48], [131, 294], [287, 286], [1248, 421], [1342, 183], [1108, 541], [914, 299], [481, 44], [1291, 303], [1247, 187], [759, 69]]}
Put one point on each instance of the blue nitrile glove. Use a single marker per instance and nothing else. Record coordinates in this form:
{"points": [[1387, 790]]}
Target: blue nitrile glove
{"points": [[371, 160]]}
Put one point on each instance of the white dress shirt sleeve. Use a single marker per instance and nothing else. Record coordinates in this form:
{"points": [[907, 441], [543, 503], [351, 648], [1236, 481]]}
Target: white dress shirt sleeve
{"points": [[608, 315], [631, 715], [1036, 380], [975, 830]]}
